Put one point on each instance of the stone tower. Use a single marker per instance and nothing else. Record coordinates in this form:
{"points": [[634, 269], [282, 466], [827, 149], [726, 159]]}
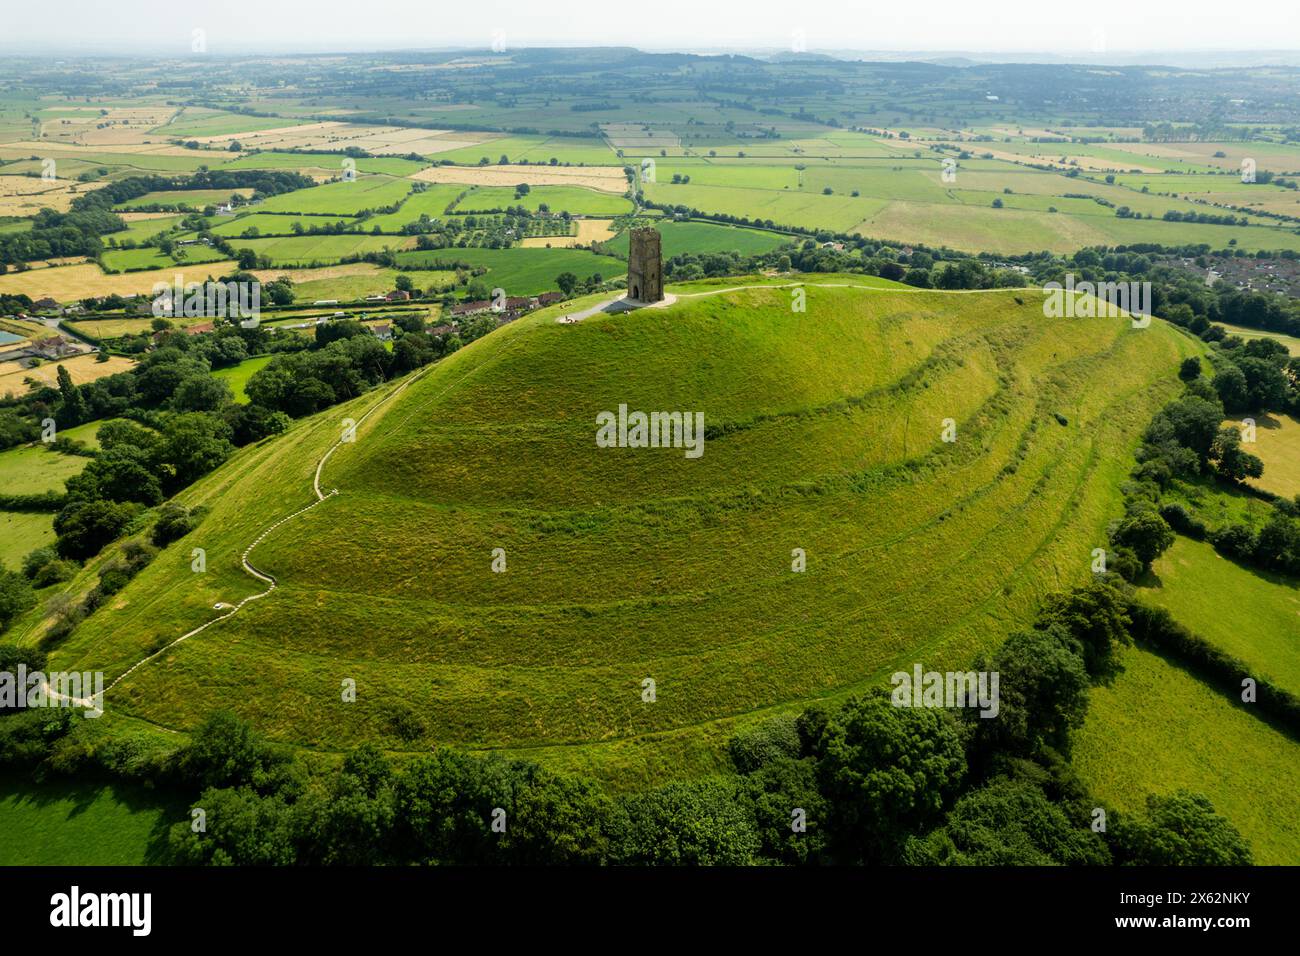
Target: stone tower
{"points": [[645, 267]]}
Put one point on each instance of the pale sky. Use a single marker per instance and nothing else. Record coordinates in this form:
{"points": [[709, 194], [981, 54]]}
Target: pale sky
{"points": [[236, 26]]}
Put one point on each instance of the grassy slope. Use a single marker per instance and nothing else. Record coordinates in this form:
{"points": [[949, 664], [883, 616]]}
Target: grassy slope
{"points": [[1252, 617], [1157, 729], [625, 564]]}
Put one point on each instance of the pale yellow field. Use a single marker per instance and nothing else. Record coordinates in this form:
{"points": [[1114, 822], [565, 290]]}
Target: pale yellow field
{"points": [[1290, 341], [589, 231], [114, 328], [28, 195], [72, 283], [610, 179], [1092, 163], [117, 127], [82, 368], [142, 216], [263, 136], [25, 149], [327, 272], [380, 140], [1277, 443]]}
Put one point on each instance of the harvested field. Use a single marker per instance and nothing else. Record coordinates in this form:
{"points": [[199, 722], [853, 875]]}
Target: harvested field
{"points": [[73, 283], [589, 231], [82, 368], [27, 195], [605, 178]]}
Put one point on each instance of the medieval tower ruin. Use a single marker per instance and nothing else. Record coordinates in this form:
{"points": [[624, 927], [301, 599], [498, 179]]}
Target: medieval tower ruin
{"points": [[645, 268]]}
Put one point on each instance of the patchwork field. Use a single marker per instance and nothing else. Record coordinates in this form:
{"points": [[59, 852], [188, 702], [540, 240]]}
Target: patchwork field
{"points": [[627, 564]]}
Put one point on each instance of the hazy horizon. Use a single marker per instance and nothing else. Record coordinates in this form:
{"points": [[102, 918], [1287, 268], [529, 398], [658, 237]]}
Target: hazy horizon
{"points": [[1107, 29]]}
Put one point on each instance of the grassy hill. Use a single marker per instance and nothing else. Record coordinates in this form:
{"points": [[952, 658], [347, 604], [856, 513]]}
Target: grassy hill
{"points": [[626, 564]]}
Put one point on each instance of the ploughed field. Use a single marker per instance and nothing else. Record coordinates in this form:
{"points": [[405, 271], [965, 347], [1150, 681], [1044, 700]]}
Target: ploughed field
{"points": [[824, 433]]}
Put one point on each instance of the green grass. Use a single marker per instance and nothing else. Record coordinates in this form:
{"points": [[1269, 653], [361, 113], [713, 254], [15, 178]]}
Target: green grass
{"points": [[1157, 728], [192, 199], [630, 564], [87, 434], [193, 121], [1253, 617], [680, 238], [341, 198], [574, 199], [32, 469], [136, 260], [305, 250], [66, 823], [431, 202], [22, 533], [523, 271], [346, 288], [237, 376], [271, 224], [144, 229]]}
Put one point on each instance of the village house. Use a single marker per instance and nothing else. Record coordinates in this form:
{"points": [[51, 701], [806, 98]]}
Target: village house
{"points": [[471, 308]]}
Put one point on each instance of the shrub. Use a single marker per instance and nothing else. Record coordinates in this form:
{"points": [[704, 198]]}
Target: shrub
{"points": [[756, 746]]}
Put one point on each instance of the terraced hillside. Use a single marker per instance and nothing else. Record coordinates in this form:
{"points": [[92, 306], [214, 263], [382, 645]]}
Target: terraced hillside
{"points": [[824, 434]]}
